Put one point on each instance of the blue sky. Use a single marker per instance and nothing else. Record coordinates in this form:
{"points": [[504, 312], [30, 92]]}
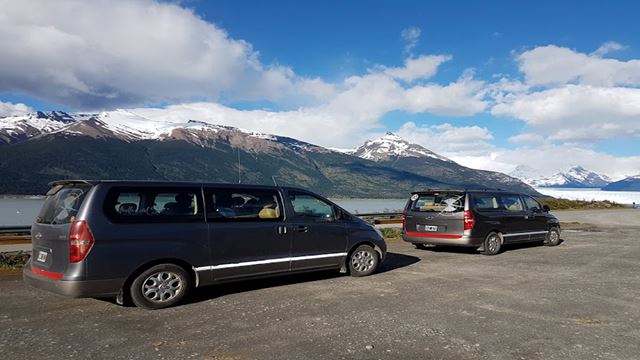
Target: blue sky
{"points": [[499, 84]]}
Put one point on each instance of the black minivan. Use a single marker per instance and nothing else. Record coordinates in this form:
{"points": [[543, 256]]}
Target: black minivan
{"points": [[152, 242], [484, 219]]}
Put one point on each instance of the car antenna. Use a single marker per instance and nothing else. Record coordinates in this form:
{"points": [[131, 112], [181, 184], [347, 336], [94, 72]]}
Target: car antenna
{"points": [[274, 180]]}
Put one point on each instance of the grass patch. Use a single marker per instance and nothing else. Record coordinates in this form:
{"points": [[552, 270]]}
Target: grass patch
{"points": [[391, 233], [13, 260], [566, 204]]}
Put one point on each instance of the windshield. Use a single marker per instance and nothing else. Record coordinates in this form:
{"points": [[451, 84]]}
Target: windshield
{"points": [[62, 207], [442, 202]]}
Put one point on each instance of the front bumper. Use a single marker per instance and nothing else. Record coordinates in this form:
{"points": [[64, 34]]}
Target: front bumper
{"points": [[72, 288]]}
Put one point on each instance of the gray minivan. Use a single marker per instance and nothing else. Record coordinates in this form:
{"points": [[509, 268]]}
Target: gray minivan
{"points": [[484, 219], [152, 242]]}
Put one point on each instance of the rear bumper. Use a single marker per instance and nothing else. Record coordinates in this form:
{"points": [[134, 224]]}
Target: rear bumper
{"points": [[77, 289], [436, 239]]}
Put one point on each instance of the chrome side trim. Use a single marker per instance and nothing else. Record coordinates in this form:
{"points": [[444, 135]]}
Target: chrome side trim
{"points": [[268, 261]]}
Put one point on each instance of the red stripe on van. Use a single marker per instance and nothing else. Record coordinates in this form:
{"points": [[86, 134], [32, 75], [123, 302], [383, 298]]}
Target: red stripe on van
{"points": [[436, 236], [45, 273]]}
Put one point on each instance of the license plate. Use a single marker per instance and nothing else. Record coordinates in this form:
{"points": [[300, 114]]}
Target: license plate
{"points": [[430, 228], [42, 256]]}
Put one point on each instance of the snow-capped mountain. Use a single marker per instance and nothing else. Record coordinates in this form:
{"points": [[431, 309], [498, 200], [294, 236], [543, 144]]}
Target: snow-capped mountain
{"points": [[140, 144], [21, 127], [391, 146], [576, 177], [631, 183], [128, 126]]}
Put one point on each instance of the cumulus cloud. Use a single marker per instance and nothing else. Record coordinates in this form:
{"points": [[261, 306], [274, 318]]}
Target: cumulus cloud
{"points": [[577, 112], [553, 65], [93, 54], [411, 36], [10, 109], [448, 139], [551, 159], [422, 67]]}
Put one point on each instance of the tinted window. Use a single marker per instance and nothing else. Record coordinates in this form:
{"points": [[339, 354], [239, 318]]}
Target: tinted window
{"points": [[512, 202], [62, 207], [244, 205], [438, 202], [154, 205], [310, 207], [532, 204], [486, 202]]}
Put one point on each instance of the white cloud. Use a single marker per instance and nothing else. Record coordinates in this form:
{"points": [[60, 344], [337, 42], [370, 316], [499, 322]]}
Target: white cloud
{"points": [[552, 65], [577, 112], [608, 47], [410, 36], [448, 139], [10, 109], [422, 67], [92, 54], [550, 159]]}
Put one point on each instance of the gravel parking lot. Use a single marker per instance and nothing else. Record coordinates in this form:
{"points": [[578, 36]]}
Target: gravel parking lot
{"points": [[575, 301]]}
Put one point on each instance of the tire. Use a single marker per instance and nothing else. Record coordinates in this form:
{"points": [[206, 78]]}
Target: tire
{"points": [[420, 246], [160, 286], [553, 237], [363, 261], [492, 244]]}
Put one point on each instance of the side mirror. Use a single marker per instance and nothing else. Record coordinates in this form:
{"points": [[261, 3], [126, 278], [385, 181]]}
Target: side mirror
{"points": [[546, 208]]}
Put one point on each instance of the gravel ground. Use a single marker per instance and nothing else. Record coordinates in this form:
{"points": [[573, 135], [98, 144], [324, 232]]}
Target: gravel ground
{"points": [[575, 301]]}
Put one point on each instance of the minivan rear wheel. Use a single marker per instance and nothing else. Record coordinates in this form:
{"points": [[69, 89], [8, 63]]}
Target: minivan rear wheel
{"points": [[492, 244], [160, 286], [553, 237], [363, 261]]}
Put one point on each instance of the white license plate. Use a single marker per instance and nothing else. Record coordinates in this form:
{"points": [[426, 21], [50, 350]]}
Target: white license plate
{"points": [[42, 256], [430, 228]]}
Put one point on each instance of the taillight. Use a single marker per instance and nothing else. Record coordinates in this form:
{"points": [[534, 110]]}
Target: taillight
{"points": [[404, 219], [80, 241], [469, 221]]}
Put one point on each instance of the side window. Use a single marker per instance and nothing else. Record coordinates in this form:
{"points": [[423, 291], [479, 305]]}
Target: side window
{"points": [[228, 204], [140, 205], [310, 207], [486, 202], [512, 203], [532, 204]]}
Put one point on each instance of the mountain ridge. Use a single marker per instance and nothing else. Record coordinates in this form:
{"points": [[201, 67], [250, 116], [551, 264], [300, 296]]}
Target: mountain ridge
{"points": [[123, 145]]}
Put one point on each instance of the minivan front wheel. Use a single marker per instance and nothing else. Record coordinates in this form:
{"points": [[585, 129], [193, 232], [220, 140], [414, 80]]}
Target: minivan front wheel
{"points": [[363, 261], [553, 237], [160, 286], [492, 244]]}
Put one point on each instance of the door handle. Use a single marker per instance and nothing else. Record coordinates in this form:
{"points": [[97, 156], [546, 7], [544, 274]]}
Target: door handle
{"points": [[282, 230], [302, 228]]}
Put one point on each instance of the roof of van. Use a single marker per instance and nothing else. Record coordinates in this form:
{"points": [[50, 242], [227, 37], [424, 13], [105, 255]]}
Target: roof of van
{"points": [[461, 190], [164, 183]]}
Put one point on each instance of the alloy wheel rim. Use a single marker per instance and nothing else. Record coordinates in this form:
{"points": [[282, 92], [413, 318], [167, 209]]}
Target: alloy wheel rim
{"points": [[162, 286], [362, 260], [553, 237], [493, 243]]}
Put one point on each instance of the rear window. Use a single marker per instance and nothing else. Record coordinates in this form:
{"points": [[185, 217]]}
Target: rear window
{"points": [[437, 202], [154, 205], [62, 206]]}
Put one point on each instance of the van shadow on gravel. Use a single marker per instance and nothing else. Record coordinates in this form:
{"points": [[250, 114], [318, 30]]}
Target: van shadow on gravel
{"points": [[474, 251], [392, 262]]}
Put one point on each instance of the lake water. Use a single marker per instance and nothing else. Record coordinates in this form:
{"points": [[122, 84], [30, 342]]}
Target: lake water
{"points": [[15, 212]]}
